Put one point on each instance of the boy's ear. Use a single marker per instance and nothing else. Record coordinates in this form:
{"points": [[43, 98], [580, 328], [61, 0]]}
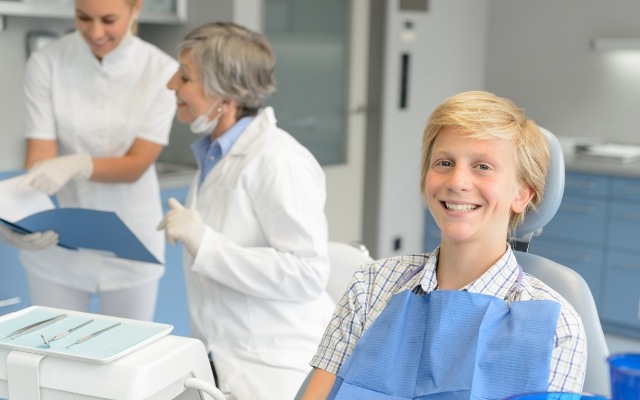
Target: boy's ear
{"points": [[524, 196]]}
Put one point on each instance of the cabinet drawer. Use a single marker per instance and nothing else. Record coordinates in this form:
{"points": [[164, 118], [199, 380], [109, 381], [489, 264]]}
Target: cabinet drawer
{"points": [[578, 219], [625, 188], [621, 290], [587, 261], [624, 227], [14, 292], [580, 184]]}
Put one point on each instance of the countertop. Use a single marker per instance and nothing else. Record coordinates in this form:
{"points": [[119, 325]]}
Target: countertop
{"points": [[174, 176], [575, 163], [171, 176]]}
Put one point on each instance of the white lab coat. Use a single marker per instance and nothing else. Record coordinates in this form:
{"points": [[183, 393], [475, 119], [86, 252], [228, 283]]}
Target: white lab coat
{"points": [[256, 288], [100, 108]]}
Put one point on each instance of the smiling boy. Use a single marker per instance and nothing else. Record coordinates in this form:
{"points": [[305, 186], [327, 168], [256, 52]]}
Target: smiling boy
{"points": [[464, 321]]}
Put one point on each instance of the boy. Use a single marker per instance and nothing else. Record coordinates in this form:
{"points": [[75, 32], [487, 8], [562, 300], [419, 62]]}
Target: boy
{"points": [[460, 322]]}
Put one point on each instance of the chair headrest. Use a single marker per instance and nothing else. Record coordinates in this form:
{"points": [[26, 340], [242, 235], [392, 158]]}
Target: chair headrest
{"points": [[553, 191]]}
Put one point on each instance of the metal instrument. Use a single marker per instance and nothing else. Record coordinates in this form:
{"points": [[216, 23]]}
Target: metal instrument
{"points": [[65, 333], [35, 326], [94, 334]]}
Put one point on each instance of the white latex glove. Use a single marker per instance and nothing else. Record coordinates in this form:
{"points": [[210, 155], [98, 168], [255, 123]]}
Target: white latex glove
{"points": [[183, 224], [29, 241], [51, 175]]}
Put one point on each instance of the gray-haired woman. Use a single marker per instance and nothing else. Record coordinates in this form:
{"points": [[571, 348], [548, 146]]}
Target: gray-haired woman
{"points": [[254, 227]]}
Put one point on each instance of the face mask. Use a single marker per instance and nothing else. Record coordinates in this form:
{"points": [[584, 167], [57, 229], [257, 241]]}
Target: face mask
{"points": [[202, 124]]}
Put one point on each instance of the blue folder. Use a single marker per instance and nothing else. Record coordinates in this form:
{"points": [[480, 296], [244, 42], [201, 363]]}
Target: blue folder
{"points": [[80, 228]]}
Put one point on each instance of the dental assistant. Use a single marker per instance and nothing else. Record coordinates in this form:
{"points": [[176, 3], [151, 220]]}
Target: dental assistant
{"points": [[253, 229], [98, 116]]}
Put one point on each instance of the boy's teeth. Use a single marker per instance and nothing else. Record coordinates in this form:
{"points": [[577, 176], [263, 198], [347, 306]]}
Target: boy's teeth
{"points": [[461, 207]]}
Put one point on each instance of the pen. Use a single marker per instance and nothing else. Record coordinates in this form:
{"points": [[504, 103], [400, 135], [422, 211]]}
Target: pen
{"points": [[94, 334], [65, 333]]}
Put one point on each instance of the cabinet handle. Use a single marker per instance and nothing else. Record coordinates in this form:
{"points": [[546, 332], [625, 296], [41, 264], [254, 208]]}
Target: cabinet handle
{"points": [[9, 302], [577, 208], [628, 216], [566, 255], [627, 265], [579, 184]]}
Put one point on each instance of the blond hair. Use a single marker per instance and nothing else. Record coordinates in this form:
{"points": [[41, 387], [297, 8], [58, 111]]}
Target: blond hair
{"points": [[485, 116]]}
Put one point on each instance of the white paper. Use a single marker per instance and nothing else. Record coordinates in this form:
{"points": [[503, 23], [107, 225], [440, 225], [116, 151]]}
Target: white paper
{"points": [[18, 203]]}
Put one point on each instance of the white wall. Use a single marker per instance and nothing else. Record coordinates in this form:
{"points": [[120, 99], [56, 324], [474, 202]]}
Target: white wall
{"points": [[12, 62], [539, 55]]}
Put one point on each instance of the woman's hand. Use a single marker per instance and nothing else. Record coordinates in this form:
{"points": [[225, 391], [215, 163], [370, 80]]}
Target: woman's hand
{"points": [[183, 224], [29, 241], [51, 175]]}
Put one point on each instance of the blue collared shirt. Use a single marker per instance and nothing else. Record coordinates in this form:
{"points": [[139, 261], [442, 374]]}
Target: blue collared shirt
{"points": [[208, 153]]}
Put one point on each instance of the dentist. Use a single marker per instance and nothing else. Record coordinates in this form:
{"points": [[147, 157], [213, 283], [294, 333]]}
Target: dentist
{"points": [[254, 227]]}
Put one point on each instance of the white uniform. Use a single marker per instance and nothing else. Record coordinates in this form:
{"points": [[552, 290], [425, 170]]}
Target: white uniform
{"points": [[100, 109], [257, 285]]}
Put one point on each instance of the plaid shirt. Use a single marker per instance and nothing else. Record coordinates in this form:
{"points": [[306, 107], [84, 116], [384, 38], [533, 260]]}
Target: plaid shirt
{"points": [[375, 283]]}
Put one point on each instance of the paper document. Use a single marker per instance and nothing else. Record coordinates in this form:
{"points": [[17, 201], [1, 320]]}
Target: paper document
{"points": [[26, 210]]}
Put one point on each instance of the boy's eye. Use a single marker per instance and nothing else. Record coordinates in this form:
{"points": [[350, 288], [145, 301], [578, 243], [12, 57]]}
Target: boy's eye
{"points": [[484, 167]]}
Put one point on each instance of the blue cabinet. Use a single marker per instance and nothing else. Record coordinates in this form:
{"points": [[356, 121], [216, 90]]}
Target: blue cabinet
{"points": [[576, 234], [172, 305], [14, 294], [596, 233]]}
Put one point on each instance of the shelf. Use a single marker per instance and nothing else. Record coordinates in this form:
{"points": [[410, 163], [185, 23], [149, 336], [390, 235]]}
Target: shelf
{"points": [[152, 12]]}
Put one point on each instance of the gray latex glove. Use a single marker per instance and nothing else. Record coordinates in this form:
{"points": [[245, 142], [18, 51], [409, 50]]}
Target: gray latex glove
{"points": [[29, 241]]}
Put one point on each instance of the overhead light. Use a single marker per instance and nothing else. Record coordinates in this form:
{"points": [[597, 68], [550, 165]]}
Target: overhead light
{"points": [[605, 44]]}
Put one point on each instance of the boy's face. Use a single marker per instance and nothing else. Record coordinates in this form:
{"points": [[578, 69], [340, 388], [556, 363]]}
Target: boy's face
{"points": [[471, 187]]}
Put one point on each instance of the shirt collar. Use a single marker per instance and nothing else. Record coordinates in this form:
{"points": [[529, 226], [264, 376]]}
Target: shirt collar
{"points": [[497, 281], [224, 142], [115, 57]]}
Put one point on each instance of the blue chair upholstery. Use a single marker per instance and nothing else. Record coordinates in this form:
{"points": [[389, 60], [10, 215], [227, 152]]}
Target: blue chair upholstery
{"points": [[562, 279]]}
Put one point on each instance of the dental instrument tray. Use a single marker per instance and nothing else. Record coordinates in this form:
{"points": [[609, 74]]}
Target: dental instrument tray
{"points": [[75, 335]]}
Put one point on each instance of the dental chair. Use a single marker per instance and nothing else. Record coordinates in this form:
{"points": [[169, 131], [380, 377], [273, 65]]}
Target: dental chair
{"points": [[562, 279], [344, 258]]}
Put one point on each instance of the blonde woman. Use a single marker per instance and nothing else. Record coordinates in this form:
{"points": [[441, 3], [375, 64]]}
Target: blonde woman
{"points": [[98, 115]]}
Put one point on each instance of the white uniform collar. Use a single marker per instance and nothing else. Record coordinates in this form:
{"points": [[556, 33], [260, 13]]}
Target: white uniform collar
{"points": [[262, 122], [116, 56]]}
